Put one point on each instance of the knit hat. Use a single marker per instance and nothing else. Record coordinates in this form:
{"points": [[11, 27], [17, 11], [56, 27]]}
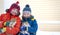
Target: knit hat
{"points": [[14, 5], [27, 8]]}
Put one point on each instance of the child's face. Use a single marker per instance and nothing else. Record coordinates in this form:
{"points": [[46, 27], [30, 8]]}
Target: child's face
{"points": [[26, 14], [14, 11]]}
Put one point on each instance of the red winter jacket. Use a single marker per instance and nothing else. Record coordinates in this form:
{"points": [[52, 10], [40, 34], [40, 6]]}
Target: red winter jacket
{"points": [[15, 29], [4, 18], [1, 23]]}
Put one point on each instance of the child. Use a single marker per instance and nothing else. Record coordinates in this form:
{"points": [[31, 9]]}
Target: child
{"points": [[11, 20], [29, 24]]}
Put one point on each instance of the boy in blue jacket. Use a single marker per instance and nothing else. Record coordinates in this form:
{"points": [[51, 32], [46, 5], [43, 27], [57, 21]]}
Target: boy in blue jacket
{"points": [[29, 24]]}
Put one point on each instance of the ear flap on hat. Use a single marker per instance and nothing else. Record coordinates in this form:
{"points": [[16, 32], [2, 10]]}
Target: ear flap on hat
{"points": [[7, 10]]}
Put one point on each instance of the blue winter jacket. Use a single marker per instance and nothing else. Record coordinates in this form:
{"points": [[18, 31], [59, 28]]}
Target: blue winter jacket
{"points": [[33, 23]]}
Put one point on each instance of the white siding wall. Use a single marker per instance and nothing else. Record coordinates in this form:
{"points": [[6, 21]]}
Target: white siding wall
{"points": [[1, 6]]}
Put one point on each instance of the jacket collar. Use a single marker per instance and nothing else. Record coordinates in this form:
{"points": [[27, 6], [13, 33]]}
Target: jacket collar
{"points": [[27, 19]]}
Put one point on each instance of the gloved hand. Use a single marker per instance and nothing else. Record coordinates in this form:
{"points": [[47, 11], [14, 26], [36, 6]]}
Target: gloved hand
{"points": [[6, 23], [2, 30], [9, 24], [23, 28]]}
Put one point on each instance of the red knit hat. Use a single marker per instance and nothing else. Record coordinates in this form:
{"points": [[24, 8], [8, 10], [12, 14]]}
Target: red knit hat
{"points": [[14, 5]]}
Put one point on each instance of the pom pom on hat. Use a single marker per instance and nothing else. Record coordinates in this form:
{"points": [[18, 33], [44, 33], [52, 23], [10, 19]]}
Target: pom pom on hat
{"points": [[27, 5], [17, 2], [27, 8], [14, 5]]}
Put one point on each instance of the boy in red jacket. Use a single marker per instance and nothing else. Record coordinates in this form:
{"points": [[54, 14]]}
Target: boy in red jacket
{"points": [[10, 22]]}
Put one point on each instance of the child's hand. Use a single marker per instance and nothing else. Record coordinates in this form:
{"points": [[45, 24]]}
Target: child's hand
{"points": [[23, 28], [6, 23], [12, 22], [26, 24], [2, 30]]}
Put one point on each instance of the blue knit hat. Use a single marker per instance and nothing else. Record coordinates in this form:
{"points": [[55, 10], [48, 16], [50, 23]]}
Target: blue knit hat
{"points": [[27, 8]]}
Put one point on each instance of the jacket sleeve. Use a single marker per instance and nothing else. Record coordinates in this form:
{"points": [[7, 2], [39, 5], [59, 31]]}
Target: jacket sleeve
{"points": [[16, 29], [1, 22], [33, 28], [0, 18]]}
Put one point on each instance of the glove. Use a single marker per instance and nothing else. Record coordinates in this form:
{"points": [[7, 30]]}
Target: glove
{"points": [[2, 30], [23, 28], [9, 24], [6, 23], [12, 23]]}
